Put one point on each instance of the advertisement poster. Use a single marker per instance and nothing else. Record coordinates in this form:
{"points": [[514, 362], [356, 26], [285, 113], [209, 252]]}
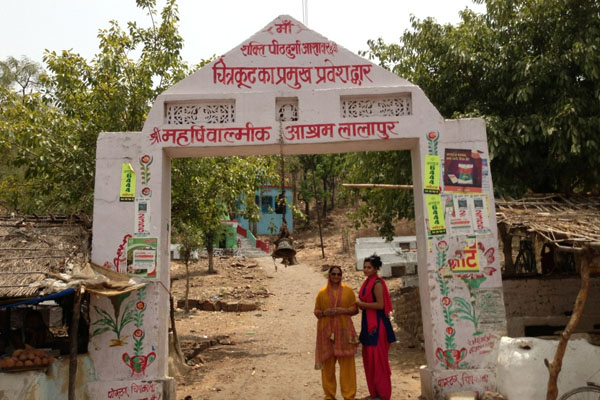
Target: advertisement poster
{"points": [[462, 171], [435, 212], [481, 215], [467, 259], [127, 192], [458, 213], [432, 174], [142, 218], [141, 257]]}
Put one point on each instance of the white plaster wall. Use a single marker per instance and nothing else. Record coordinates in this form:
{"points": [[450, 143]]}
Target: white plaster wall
{"points": [[523, 375], [48, 385]]}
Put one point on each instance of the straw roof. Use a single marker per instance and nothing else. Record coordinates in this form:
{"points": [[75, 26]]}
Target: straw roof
{"points": [[38, 254], [561, 220]]}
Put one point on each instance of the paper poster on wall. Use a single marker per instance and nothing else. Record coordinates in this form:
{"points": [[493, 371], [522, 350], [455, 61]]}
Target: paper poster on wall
{"points": [[481, 214], [432, 174], [492, 314], [462, 171], [435, 212], [458, 213], [127, 192], [141, 257], [486, 181], [142, 217], [466, 260]]}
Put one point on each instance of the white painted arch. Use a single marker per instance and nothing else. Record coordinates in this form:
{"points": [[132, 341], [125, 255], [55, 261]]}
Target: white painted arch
{"points": [[343, 103]]}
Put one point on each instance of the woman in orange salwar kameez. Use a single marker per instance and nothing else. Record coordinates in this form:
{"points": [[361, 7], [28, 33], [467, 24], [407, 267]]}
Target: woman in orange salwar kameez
{"points": [[376, 332], [336, 337]]}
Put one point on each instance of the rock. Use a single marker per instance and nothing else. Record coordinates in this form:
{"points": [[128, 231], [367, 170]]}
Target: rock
{"points": [[247, 307], [193, 303], [207, 306], [229, 307]]}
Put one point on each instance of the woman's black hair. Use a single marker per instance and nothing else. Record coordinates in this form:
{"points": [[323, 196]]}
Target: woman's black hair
{"points": [[374, 260], [334, 266]]}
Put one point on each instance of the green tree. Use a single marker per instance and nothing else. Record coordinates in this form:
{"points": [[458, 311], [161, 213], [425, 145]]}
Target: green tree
{"points": [[203, 188], [190, 239], [51, 134], [384, 207], [23, 73], [531, 69]]}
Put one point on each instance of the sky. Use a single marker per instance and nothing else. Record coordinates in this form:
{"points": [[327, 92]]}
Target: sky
{"points": [[28, 27]]}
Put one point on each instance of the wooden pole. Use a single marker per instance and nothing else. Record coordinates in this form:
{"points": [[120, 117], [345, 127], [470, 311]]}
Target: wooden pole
{"points": [[74, 342], [173, 328], [555, 365], [318, 213], [376, 186]]}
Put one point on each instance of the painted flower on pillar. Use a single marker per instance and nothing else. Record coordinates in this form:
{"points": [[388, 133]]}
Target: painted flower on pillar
{"points": [[446, 301], [139, 361], [451, 358], [432, 142], [145, 162]]}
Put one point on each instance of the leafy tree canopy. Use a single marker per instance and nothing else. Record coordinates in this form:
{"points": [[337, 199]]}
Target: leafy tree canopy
{"points": [[51, 134], [202, 188], [531, 69]]}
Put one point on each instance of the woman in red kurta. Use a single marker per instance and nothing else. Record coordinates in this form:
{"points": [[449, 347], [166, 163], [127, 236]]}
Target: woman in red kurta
{"points": [[376, 332]]}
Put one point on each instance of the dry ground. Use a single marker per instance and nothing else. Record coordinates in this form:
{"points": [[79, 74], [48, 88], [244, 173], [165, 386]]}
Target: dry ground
{"points": [[269, 353]]}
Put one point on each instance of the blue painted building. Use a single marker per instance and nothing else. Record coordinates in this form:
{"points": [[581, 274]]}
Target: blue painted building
{"points": [[270, 215]]}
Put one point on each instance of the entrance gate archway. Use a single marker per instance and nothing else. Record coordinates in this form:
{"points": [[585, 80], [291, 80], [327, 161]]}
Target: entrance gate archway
{"points": [[289, 90]]}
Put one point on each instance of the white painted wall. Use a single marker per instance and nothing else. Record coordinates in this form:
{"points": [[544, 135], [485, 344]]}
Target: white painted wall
{"points": [[523, 375]]}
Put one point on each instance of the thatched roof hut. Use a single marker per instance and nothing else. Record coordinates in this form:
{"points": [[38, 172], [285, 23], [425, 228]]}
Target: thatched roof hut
{"points": [[569, 224], [571, 221], [39, 254]]}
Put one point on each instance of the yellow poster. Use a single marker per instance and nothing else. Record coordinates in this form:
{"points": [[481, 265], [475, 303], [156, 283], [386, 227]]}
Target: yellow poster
{"points": [[432, 174], [127, 183], [435, 212], [468, 259]]}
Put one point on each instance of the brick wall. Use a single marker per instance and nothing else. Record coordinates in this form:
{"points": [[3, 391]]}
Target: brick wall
{"points": [[548, 302], [531, 302]]}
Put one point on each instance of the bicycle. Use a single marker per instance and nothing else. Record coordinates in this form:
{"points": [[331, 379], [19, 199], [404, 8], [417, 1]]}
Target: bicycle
{"points": [[557, 262], [525, 261], [589, 392]]}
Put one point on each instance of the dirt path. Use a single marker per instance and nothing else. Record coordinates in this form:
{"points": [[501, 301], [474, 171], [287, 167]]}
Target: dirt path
{"points": [[269, 353]]}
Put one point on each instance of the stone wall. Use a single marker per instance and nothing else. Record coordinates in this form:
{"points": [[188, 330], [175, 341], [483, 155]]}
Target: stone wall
{"points": [[407, 312]]}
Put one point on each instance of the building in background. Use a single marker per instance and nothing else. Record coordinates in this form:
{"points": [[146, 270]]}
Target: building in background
{"points": [[271, 215]]}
